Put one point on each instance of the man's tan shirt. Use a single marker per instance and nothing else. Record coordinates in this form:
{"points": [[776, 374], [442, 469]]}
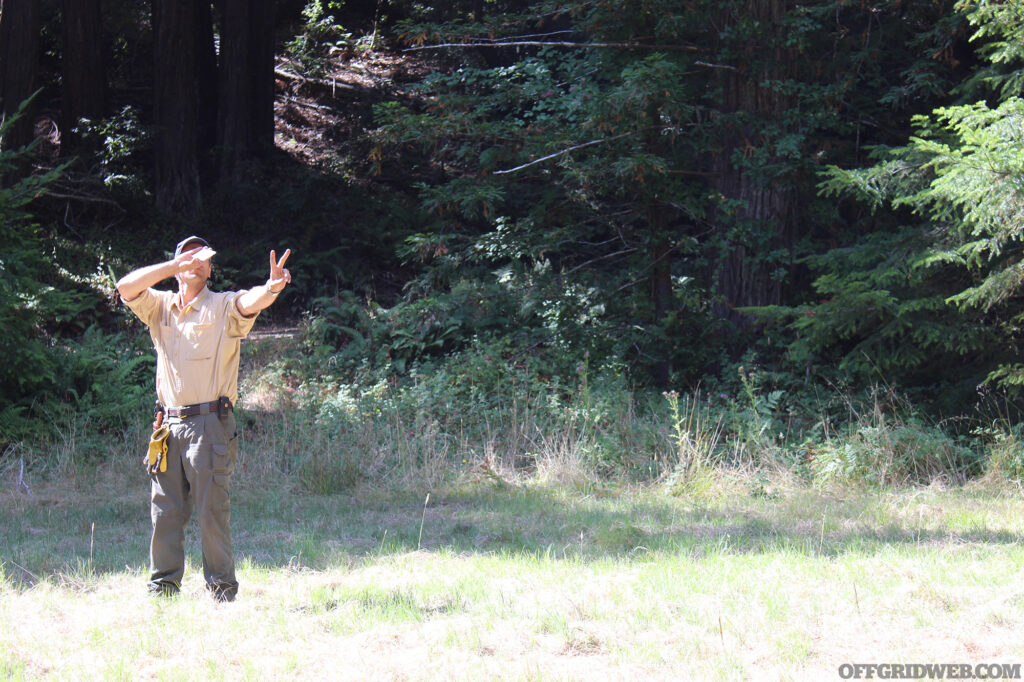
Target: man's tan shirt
{"points": [[197, 347]]}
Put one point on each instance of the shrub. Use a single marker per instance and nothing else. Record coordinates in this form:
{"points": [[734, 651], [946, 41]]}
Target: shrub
{"points": [[695, 436], [886, 446], [54, 355], [1006, 453], [320, 36]]}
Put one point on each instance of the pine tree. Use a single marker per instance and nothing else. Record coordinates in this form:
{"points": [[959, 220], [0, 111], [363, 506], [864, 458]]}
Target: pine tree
{"points": [[935, 301]]}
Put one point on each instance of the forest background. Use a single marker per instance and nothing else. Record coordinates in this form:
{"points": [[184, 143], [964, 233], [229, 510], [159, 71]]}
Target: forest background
{"points": [[654, 238]]}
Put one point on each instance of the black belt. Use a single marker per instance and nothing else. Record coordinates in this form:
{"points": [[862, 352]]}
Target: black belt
{"points": [[220, 406]]}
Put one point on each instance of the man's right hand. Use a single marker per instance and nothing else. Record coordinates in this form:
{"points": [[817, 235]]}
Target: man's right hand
{"points": [[137, 281], [187, 260]]}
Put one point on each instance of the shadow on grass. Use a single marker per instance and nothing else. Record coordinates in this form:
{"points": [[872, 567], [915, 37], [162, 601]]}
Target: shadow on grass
{"points": [[67, 538], [320, 531]]}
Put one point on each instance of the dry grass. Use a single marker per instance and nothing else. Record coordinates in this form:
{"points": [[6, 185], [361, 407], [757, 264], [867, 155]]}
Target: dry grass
{"points": [[522, 580], [524, 562]]}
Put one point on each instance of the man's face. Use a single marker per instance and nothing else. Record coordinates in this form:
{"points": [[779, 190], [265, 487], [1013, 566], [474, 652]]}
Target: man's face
{"points": [[200, 271]]}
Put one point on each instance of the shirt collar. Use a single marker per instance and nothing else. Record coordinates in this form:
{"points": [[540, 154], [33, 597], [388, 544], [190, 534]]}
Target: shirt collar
{"points": [[194, 303]]}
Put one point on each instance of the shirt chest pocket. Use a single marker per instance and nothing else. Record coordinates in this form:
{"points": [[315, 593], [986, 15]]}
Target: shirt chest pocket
{"points": [[200, 341]]}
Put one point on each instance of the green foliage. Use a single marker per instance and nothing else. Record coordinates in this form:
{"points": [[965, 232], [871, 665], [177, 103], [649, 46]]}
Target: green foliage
{"points": [[974, 192], [328, 473], [750, 418], [482, 410], [882, 314], [999, 33], [607, 162], [320, 38], [410, 332], [53, 354], [108, 376], [887, 446], [482, 400], [121, 142], [942, 294], [941, 290], [557, 226], [695, 437], [27, 301]]}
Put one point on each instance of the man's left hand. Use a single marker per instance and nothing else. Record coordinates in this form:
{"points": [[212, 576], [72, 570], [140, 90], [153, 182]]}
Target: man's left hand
{"points": [[259, 298], [279, 275]]}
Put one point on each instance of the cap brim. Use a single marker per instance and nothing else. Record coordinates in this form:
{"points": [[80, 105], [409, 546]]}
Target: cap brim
{"points": [[189, 241]]}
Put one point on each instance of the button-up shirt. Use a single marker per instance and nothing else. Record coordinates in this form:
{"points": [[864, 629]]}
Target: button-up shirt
{"points": [[197, 346]]}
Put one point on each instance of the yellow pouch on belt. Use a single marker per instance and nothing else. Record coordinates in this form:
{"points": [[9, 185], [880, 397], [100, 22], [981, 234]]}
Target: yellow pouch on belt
{"points": [[157, 458]]}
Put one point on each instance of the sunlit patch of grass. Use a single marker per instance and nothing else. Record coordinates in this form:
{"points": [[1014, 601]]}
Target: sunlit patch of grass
{"points": [[526, 580]]}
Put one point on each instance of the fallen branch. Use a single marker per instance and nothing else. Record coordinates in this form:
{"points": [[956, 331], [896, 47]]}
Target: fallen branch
{"points": [[308, 105], [621, 252], [557, 43], [716, 66], [564, 151], [82, 197], [333, 84]]}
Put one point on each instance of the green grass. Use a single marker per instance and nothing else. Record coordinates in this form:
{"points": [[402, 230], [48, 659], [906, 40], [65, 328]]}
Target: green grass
{"points": [[518, 581]]}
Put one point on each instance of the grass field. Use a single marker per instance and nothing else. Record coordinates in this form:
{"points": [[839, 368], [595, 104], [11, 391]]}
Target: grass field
{"points": [[517, 581]]}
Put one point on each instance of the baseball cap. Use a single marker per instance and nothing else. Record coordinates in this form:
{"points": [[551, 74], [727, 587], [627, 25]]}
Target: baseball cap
{"points": [[188, 241]]}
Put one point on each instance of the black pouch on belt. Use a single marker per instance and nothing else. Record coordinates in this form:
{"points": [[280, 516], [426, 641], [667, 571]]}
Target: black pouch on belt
{"points": [[223, 407]]}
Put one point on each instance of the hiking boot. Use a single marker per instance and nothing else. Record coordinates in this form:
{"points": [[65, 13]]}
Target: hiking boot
{"points": [[163, 590], [223, 593]]}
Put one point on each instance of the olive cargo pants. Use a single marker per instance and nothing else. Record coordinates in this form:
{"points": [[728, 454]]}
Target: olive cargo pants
{"points": [[201, 452]]}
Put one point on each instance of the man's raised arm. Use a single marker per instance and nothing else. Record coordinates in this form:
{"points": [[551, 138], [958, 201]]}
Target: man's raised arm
{"points": [[258, 298], [137, 281]]}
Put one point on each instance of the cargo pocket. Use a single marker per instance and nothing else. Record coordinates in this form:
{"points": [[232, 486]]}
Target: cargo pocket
{"points": [[223, 464]]}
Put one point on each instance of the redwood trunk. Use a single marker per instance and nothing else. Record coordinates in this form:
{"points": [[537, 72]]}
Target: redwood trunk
{"points": [[175, 110], [246, 116], [662, 300], [206, 82], [765, 213], [19, 55], [261, 74], [83, 80]]}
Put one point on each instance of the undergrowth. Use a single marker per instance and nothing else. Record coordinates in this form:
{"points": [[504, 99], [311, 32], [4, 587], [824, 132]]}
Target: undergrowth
{"points": [[484, 413], [320, 422]]}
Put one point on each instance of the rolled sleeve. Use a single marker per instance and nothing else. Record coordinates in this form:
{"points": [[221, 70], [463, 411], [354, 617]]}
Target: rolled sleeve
{"points": [[238, 325], [146, 306]]}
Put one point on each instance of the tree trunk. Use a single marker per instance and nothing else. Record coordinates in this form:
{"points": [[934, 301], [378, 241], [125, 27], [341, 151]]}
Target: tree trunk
{"points": [[763, 221], [83, 78], [246, 116], [661, 298], [175, 107], [206, 81], [19, 57], [261, 75], [660, 278]]}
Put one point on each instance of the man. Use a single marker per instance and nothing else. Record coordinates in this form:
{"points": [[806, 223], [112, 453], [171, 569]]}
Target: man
{"points": [[197, 335]]}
